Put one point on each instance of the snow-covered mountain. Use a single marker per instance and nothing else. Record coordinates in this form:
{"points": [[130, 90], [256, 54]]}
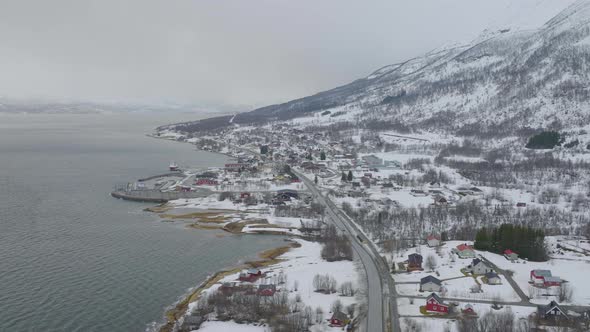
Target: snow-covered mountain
{"points": [[506, 80]]}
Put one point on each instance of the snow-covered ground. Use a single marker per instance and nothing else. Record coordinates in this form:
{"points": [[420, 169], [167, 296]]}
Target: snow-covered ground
{"points": [[448, 270], [216, 326], [300, 266], [565, 266]]}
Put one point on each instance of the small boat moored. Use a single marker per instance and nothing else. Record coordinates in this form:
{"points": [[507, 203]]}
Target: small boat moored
{"points": [[174, 167]]}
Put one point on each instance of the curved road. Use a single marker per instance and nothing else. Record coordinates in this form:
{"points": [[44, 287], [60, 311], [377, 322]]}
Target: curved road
{"points": [[381, 294]]}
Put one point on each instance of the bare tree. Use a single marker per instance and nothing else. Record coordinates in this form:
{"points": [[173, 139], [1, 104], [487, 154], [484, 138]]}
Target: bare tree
{"points": [[319, 315], [431, 262], [347, 289], [564, 293], [336, 306]]}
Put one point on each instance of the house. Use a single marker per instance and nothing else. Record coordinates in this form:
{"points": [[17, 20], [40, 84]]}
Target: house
{"points": [[552, 281], [288, 192], [206, 182], [464, 191], [184, 189], [433, 241], [191, 323], [236, 167], [468, 310], [435, 304], [510, 255], [430, 284], [493, 278], [250, 275], [414, 262], [478, 267], [440, 200], [544, 278], [551, 311], [521, 204], [476, 191], [339, 319], [266, 290], [228, 288], [418, 193], [355, 193], [538, 276], [464, 251]]}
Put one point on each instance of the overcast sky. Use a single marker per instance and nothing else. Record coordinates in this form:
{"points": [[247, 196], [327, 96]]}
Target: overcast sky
{"points": [[218, 52]]}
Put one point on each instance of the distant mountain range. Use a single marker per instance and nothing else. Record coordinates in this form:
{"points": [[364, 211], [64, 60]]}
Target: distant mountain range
{"points": [[505, 81]]}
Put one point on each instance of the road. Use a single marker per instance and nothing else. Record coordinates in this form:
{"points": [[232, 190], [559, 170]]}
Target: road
{"points": [[382, 312], [508, 277]]}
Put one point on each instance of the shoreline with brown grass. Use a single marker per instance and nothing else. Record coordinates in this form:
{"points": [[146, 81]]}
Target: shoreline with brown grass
{"points": [[267, 258]]}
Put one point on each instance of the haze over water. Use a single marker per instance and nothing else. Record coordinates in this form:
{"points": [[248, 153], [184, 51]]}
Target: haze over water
{"points": [[72, 258]]}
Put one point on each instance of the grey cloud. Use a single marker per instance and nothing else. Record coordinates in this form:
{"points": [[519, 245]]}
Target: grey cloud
{"points": [[240, 52]]}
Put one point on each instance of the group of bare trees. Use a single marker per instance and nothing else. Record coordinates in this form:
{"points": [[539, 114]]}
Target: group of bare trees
{"points": [[324, 284], [243, 307], [408, 226], [327, 284], [494, 322], [282, 314], [336, 247]]}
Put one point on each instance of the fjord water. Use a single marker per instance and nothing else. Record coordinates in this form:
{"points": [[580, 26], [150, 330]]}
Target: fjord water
{"points": [[72, 258]]}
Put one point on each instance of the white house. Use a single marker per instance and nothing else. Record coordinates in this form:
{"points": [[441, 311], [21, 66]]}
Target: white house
{"points": [[478, 266], [433, 241], [430, 284]]}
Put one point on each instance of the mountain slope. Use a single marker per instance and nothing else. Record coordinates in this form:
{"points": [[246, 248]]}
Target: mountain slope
{"points": [[501, 83]]}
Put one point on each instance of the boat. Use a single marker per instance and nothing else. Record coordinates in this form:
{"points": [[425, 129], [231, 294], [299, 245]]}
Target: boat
{"points": [[174, 167]]}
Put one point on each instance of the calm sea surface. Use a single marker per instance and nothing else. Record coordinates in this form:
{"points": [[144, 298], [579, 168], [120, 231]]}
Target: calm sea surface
{"points": [[74, 259]]}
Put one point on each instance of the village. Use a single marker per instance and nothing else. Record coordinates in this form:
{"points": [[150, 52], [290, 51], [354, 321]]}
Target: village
{"points": [[438, 277]]}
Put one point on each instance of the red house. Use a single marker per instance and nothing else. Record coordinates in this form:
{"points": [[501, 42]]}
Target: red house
{"points": [[267, 290], [436, 304], [464, 246], [510, 255], [245, 195], [468, 310], [339, 319], [206, 182], [251, 275], [544, 278]]}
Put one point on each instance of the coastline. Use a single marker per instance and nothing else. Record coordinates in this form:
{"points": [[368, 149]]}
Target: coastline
{"points": [[268, 257], [303, 254]]}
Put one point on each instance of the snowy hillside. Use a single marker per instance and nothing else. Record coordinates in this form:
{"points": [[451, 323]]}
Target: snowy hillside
{"points": [[508, 79]]}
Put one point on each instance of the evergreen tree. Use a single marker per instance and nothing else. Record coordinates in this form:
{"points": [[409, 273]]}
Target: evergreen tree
{"points": [[315, 180], [526, 241], [482, 242], [349, 176], [323, 156], [343, 178]]}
